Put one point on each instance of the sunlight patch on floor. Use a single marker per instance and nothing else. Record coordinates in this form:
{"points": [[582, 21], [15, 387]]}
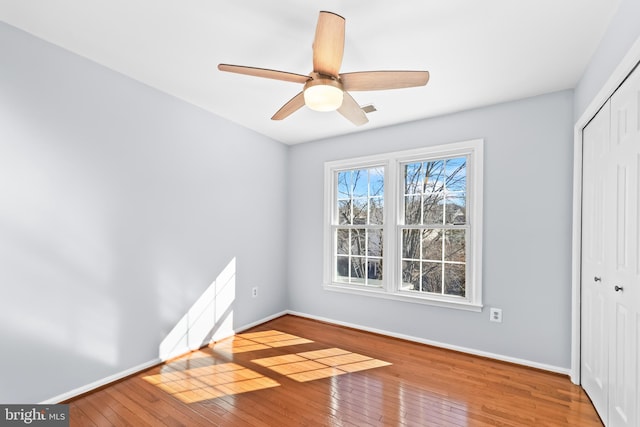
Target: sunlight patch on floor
{"points": [[209, 382], [313, 365], [200, 376], [253, 341]]}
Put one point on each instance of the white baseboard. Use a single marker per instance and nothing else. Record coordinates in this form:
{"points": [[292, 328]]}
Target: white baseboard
{"points": [[503, 358], [101, 382], [139, 368], [261, 321]]}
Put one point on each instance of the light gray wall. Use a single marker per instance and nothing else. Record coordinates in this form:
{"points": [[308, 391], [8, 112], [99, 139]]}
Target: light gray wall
{"points": [[119, 206], [527, 231], [622, 32]]}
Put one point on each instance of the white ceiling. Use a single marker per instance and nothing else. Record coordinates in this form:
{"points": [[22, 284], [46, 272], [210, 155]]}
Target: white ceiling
{"points": [[478, 52]]}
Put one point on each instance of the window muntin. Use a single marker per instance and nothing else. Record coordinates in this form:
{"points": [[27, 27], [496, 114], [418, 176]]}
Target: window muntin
{"points": [[416, 217]]}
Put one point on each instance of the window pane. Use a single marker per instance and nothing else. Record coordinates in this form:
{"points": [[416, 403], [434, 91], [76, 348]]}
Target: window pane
{"points": [[411, 275], [432, 277], [413, 178], [455, 245], [359, 211], [376, 205], [344, 185], [358, 270], [412, 212], [432, 245], [434, 181], [342, 242], [456, 210], [374, 247], [374, 272], [411, 244], [433, 208], [376, 182], [360, 182], [456, 174], [358, 239], [454, 279], [344, 212], [342, 269]]}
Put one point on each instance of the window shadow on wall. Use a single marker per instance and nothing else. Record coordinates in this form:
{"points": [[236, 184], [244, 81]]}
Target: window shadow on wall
{"points": [[210, 317]]}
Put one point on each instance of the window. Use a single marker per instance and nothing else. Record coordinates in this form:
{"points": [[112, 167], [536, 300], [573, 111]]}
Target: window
{"points": [[360, 202], [434, 230], [407, 225]]}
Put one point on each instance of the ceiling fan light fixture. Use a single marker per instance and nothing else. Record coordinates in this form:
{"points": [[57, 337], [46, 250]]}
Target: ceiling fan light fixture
{"points": [[323, 95]]}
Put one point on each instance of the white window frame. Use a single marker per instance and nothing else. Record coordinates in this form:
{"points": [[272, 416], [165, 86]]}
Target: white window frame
{"points": [[392, 225]]}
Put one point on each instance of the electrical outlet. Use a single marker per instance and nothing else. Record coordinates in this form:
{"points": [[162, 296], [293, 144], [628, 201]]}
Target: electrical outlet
{"points": [[254, 292], [495, 315]]}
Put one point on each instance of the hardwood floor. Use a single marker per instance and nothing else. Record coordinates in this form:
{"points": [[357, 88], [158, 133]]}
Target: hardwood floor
{"points": [[293, 371]]}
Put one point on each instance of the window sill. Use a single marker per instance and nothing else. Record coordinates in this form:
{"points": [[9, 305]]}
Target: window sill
{"points": [[403, 296]]}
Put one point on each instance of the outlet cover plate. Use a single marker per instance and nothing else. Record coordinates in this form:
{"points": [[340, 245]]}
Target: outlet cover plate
{"points": [[495, 315]]}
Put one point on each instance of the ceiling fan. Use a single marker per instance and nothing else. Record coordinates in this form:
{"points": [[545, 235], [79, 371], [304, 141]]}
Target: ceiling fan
{"points": [[325, 89]]}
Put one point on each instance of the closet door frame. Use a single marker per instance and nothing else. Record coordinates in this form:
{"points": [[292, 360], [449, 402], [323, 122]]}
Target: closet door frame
{"points": [[628, 63]]}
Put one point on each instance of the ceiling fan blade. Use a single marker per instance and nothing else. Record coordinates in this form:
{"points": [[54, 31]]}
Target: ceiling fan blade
{"points": [[352, 111], [328, 46], [264, 72], [293, 105], [381, 80]]}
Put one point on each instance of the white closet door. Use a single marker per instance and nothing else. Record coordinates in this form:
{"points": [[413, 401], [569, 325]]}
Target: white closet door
{"points": [[595, 297], [623, 272]]}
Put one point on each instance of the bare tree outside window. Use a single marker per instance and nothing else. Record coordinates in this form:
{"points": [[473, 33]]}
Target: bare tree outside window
{"points": [[434, 239]]}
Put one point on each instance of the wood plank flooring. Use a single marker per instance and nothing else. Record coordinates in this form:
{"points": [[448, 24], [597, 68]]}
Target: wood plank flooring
{"points": [[293, 371]]}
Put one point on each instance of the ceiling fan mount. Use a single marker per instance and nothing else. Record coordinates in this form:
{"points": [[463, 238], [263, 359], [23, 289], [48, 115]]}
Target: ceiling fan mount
{"points": [[325, 88]]}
